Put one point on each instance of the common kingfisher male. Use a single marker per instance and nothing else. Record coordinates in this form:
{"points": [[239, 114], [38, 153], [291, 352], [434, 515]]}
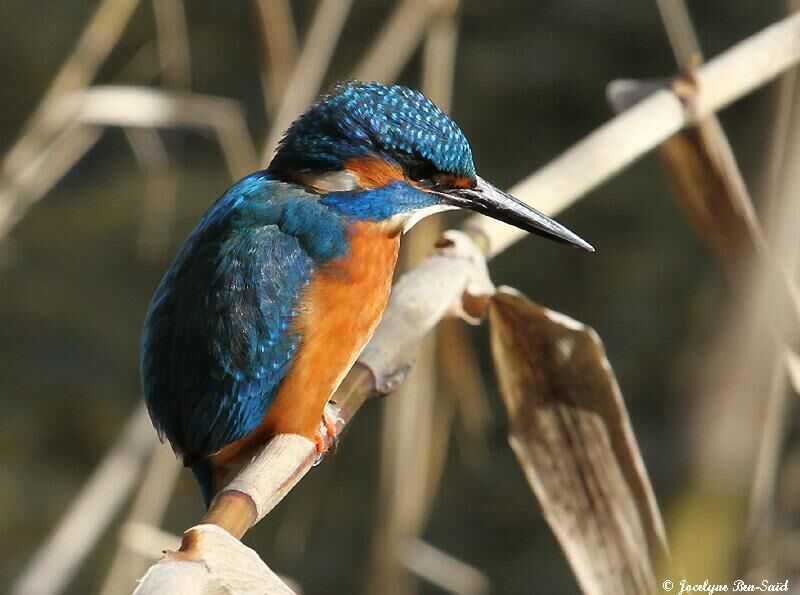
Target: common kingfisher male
{"points": [[276, 291]]}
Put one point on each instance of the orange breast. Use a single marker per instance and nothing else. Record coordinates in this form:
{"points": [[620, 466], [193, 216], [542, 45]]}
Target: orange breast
{"points": [[341, 308]]}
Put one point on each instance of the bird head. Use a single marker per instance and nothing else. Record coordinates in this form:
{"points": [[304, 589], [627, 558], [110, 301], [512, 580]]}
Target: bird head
{"points": [[386, 153]]}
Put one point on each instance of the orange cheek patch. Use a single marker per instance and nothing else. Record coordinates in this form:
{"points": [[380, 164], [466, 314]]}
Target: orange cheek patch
{"points": [[374, 173], [454, 181]]}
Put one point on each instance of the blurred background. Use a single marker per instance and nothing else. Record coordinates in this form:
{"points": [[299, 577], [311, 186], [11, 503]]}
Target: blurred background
{"points": [[78, 267]]}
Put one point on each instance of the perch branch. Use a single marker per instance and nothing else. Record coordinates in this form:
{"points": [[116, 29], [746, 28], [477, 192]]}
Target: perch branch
{"points": [[227, 566], [425, 294], [419, 300]]}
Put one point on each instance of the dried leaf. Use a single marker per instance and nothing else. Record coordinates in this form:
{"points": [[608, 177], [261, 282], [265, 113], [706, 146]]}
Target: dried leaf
{"points": [[571, 433], [709, 188]]}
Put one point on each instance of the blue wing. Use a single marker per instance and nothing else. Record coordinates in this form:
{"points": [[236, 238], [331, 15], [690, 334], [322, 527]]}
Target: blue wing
{"points": [[218, 337]]}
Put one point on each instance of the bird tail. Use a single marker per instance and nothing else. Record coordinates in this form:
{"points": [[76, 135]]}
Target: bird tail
{"points": [[204, 474]]}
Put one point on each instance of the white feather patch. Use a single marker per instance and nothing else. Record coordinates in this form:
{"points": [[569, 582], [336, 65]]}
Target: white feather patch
{"points": [[331, 181], [414, 217]]}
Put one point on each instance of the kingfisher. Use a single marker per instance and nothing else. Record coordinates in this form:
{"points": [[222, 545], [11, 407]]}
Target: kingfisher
{"points": [[276, 291]]}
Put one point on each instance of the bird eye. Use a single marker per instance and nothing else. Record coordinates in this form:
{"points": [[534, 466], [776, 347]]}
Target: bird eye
{"points": [[420, 171]]}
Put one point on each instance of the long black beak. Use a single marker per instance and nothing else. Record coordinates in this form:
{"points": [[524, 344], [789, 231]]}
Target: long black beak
{"points": [[493, 202]]}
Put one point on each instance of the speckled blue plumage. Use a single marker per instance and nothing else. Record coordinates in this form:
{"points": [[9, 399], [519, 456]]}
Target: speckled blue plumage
{"points": [[218, 338], [216, 341], [388, 121]]}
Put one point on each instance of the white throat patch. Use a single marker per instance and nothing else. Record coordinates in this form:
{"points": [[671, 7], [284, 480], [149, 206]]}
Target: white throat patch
{"points": [[409, 220]]}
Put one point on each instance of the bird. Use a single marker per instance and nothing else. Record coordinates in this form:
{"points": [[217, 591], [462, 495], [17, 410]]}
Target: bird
{"points": [[278, 288]]}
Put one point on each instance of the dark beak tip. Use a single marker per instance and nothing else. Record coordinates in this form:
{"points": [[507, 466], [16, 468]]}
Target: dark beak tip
{"points": [[497, 204]]}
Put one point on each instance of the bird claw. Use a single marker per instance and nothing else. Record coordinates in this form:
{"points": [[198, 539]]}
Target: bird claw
{"points": [[325, 437]]}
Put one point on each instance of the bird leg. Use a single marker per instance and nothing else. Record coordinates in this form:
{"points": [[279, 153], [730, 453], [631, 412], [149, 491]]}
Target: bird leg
{"points": [[326, 437]]}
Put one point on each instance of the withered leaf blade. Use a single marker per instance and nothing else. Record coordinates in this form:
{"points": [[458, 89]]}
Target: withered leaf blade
{"points": [[702, 173], [571, 433]]}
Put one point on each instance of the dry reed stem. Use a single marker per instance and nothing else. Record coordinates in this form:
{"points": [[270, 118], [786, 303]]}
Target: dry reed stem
{"points": [[766, 523], [97, 40], [767, 461], [160, 192], [407, 453], [444, 571], [149, 505], [700, 162], [57, 560], [173, 44], [309, 69], [734, 73], [395, 43], [40, 174], [733, 461], [681, 33], [279, 37], [709, 187], [418, 301], [460, 370], [227, 566], [784, 147], [57, 138], [439, 54], [121, 105], [417, 423], [80, 116]]}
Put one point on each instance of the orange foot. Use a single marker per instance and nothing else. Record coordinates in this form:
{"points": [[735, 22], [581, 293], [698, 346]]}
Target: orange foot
{"points": [[325, 437]]}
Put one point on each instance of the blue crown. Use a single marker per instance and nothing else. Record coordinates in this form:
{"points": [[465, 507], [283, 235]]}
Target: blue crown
{"points": [[358, 119]]}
